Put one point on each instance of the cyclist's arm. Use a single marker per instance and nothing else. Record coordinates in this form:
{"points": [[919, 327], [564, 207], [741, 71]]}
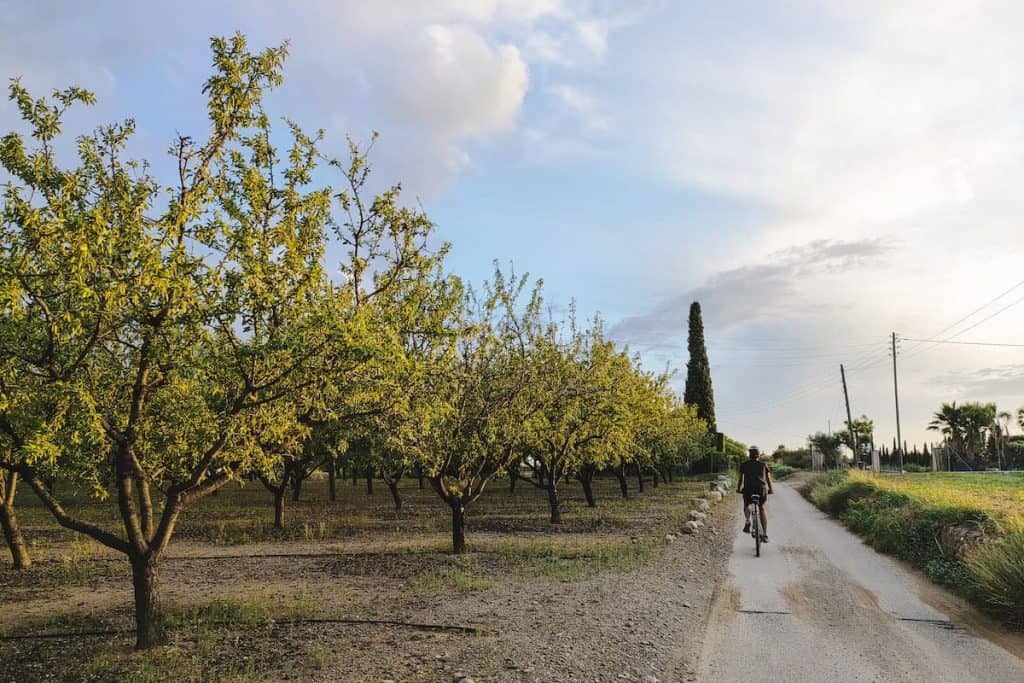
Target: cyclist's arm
{"points": [[739, 485], [768, 474]]}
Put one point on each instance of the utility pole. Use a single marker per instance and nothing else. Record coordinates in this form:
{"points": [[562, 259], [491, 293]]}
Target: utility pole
{"points": [[849, 418], [896, 393]]}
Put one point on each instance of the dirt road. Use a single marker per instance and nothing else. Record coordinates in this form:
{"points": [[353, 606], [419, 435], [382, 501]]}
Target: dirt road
{"points": [[820, 605]]}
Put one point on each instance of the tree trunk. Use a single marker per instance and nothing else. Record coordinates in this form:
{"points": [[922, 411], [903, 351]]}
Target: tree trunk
{"points": [[332, 479], [512, 478], [149, 621], [279, 508], [640, 478], [369, 482], [458, 528], [393, 487], [588, 489], [297, 484], [620, 474], [553, 503], [355, 476], [654, 477], [12, 534], [419, 475]]}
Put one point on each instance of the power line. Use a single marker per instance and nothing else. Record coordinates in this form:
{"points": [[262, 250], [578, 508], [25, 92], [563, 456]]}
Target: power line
{"points": [[964, 343], [979, 309], [917, 349]]}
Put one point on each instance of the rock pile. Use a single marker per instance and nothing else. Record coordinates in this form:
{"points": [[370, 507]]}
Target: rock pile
{"points": [[702, 505]]}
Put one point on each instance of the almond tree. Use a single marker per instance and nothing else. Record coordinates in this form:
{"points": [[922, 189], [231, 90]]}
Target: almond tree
{"points": [[481, 386], [581, 407], [393, 287], [141, 306]]}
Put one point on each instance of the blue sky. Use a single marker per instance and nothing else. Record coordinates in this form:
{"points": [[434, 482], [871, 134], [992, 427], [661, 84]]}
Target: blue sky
{"points": [[817, 174]]}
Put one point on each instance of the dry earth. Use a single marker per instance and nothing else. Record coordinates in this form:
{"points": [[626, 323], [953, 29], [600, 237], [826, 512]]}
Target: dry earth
{"points": [[531, 606]]}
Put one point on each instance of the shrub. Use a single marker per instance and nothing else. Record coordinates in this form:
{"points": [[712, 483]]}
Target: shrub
{"points": [[996, 571], [781, 471], [914, 468]]}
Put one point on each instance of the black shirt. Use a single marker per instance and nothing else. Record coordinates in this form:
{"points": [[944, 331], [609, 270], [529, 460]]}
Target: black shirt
{"points": [[755, 476]]}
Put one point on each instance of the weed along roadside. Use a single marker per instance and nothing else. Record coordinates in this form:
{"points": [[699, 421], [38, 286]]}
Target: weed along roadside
{"points": [[964, 531]]}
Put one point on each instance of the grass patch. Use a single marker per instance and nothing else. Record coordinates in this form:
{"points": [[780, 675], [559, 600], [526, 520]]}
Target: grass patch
{"points": [[247, 614], [463, 577], [962, 530], [570, 562]]}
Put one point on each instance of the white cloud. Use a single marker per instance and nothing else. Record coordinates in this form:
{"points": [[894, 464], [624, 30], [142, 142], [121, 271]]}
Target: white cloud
{"points": [[581, 105], [449, 80]]}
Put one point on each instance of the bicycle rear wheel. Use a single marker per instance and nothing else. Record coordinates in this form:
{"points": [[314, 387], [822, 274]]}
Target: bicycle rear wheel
{"points": [[757, 531]]}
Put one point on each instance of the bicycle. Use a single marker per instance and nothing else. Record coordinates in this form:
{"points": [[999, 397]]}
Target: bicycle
{"points": [[755, 523]]}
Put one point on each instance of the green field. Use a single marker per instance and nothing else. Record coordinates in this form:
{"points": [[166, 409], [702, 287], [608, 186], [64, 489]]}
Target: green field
{"points": [[998, 495]]}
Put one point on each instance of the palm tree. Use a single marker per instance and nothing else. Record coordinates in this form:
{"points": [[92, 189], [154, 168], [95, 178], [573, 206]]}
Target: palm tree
{"points": [[1002, 428], [950, 422], [979, 418]]}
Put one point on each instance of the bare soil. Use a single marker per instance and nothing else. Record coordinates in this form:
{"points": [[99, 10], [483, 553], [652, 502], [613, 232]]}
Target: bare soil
{"points": [[606, 596]]}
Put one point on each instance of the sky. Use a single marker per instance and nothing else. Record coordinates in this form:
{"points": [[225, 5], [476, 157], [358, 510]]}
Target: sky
{"points": [[818, 175]]}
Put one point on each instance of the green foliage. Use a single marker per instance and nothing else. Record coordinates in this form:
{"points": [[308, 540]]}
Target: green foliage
{"points": [[586, 410], [967, 428], [734, 447], [863, 430], [698, 371], [798, 458], [828, 446]]}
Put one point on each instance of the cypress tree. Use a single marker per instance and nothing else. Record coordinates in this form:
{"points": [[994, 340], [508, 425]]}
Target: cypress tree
{"points": [[698, 371]]}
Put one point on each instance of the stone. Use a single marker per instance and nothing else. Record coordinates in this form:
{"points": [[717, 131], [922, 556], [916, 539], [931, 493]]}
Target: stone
{"points": [[670, 537], [716, 496], [694, 514], [701, 504], [650, 679], [690, 527]]}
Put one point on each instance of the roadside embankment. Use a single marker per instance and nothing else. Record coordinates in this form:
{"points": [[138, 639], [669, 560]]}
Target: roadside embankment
{"points": [[964, 531]]}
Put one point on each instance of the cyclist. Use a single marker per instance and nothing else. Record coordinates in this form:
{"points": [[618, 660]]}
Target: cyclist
{"points": [[755, 479]]}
